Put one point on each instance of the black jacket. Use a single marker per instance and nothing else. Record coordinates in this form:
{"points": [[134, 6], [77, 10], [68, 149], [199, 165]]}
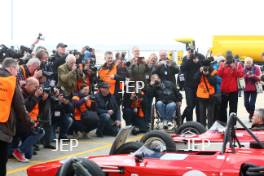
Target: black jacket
{"points": [[190, 69], [121, 75], [167, 72], [103, 104], [18, 113], [57, 61], [165, 92]]}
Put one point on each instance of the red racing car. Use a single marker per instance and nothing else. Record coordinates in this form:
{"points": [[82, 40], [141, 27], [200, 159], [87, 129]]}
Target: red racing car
{"points": [[145, 161], [193, 136]]}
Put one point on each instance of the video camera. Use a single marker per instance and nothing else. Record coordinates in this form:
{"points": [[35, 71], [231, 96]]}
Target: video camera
{"points": [[11, 52]]}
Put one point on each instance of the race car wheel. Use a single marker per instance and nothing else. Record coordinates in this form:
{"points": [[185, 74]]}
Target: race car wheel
{"points": [[159, 141], [248, 169], [128, 148], [190, 128], [80, 167]]}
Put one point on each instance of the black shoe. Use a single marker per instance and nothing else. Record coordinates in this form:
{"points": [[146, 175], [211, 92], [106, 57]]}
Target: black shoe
{"points": [[34, 152], [36, 148], [135, 131], [99, 134], [49, 146]]}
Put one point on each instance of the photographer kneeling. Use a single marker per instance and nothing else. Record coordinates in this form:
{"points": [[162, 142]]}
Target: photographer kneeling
{"points": [[108, 111], [168, 99], [28, 136], [61, 109], [85, 120], [133, 107]]}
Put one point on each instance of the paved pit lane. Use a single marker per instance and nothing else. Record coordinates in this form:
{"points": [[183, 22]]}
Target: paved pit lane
{"points": [[97, 146]]}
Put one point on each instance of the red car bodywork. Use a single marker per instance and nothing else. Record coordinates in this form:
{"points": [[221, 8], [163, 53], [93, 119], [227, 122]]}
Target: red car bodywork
{"points": [[179, 163], [216, 136]]}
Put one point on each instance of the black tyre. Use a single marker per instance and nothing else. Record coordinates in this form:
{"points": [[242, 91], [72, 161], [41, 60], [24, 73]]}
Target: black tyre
{"points": [[128, 147], [191, 127], [80, 166], [159, 140]]}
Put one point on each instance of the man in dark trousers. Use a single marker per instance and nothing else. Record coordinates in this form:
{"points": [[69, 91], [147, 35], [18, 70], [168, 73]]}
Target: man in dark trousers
{"points": [[12, 107], [108, 111], [189, 68]]}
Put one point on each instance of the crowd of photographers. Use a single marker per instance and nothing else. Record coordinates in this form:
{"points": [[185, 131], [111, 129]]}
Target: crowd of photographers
{"points": [[67, 96]]}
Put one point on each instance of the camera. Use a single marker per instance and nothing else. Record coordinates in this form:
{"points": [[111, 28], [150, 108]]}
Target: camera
{"points": [[229, 60], [156, 83]]}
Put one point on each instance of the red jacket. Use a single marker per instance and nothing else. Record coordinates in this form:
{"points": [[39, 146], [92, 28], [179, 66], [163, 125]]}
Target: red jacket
{"points": [[229, 77], [251, 80]]}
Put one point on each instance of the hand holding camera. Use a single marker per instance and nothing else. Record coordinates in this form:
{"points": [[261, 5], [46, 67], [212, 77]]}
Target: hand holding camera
{"points": [[74, 67], [38, 74], [39, 92], [110, 112]]}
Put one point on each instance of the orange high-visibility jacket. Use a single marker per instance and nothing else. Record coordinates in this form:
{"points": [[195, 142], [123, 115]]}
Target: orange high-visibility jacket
{"points": [[7, 89], [82, 108], [202, 91], [105, 76]]}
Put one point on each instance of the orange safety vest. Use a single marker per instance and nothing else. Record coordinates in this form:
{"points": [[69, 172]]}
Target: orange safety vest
{"points": [[78, 110], [23, 71], [202, 91], [34, 113], [137, 104], [7, 89], [104, 75]]}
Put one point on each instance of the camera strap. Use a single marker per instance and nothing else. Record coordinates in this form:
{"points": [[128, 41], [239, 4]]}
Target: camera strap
{"points": [[206, 85]]}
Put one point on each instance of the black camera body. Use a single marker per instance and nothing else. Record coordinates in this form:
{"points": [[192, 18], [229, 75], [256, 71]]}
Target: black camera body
{"points": [[229, 60]]}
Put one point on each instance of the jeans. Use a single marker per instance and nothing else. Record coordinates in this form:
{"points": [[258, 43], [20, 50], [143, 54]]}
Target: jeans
{"points": [[3, 158], [206, 110], [64, 122], [27, 145], [191, 102], [232, 99], [28, 140], [166, 111], [250, 101]]}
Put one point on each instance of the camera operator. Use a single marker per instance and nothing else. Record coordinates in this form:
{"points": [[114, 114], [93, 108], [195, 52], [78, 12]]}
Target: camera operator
{"points": [[229, 71], [139, 71], [252, 75], [68, 75], [85, 120], [166, 69], [31, 68], [108, 111], [168, 100], [189, 68], [87, 75], [121, 75], [133, 107], [28, 136], [88, 54], [47, 81], [59, 58], [206, 83], [13, 112], [61, 109]]}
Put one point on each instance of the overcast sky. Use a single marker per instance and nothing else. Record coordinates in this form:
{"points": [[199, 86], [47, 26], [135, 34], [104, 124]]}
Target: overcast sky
{"points": [[133, 22]]}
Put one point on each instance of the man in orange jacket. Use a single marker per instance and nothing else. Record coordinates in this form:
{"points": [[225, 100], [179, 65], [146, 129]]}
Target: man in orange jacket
{"points": [[12, 108]]}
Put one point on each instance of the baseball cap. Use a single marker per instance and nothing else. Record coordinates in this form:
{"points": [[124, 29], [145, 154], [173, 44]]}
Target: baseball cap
{"points": [[61, 45]]}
